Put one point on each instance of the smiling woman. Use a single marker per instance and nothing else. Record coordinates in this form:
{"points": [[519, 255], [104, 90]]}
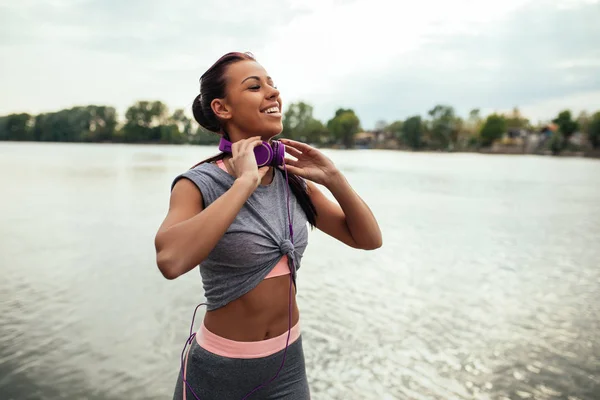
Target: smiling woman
{"points": [[234, 217]]}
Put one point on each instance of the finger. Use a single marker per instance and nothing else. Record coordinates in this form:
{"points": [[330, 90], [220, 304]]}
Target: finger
{"points": [[251, 143], [295, 170], [292, 151], [297, 145], [291, 161], [230, 163], [240, 145], [262, 171], [288, 157], [256, 142], [235, 146]]}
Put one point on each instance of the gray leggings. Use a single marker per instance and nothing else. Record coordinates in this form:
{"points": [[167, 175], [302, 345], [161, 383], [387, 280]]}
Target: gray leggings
{"points": [[214, 377]]}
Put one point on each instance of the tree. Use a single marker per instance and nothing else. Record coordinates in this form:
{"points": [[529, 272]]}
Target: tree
{"points": [[316, 132], [515, 120], [593, 130], [69, 125], [204, 137], [444, 127], [395, 128], [493, 129], [299, 124], [469, 133], [474, 121], [566, 125], [583, 120], [412, 132], [343, 126], [99, 124], [184, 128], [143, 121], [17, 127]]}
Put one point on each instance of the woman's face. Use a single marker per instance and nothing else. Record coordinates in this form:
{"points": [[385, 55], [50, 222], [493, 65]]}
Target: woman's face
{"points": [[252, 101]]}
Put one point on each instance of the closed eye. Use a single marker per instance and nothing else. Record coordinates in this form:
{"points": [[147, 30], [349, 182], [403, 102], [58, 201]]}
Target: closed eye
{"points": [[257, 87]]}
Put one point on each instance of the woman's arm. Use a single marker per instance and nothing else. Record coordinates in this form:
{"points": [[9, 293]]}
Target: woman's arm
{"points": [[350, 220], [189, 233]]}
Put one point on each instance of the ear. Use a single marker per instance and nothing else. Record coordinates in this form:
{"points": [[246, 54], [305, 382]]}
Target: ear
{"points": [[221, 109]]}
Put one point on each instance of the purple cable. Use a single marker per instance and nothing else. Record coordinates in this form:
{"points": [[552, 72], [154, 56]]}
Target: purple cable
{"points": [[189, 341], [292, 270]]}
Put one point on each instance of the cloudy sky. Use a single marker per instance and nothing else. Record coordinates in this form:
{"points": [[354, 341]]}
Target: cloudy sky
{"points": [[385, 59]]}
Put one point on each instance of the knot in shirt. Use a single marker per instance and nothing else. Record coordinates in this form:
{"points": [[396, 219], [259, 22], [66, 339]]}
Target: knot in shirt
{"points": [[286, 247]]}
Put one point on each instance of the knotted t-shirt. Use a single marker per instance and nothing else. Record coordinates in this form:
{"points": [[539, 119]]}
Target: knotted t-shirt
{"points": [[256, 240]]}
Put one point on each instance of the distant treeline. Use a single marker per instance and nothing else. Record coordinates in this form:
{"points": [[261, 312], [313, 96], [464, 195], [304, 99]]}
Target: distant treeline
{"points": [[151, 122]]}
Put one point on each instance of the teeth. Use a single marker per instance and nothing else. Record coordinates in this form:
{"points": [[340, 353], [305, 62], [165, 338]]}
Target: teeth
{"points": [[272, 110]]}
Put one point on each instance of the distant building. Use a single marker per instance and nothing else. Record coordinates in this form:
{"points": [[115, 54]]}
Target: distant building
{"points": [[365, 139], [375, 139]]}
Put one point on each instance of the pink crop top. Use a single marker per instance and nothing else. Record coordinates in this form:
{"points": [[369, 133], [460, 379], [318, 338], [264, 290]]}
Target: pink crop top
{"points": [[281, 268]]}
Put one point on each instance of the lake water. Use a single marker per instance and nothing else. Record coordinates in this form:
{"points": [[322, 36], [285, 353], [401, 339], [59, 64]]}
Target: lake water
{"points": [[487, 285]]}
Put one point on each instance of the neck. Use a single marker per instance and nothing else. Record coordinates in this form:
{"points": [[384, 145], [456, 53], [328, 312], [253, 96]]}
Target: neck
{"points": [[266, 180], [235, 134]]}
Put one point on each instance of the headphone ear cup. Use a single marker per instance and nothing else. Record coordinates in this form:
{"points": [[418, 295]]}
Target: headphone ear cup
{"points": [[278, 153], [263, 154]]}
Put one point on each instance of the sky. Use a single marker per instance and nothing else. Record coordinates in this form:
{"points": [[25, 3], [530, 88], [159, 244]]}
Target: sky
{"points": [[387, 60]]}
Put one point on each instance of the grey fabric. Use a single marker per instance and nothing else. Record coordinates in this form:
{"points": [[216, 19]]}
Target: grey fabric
{"points": [[255, 241], [214, 377]]}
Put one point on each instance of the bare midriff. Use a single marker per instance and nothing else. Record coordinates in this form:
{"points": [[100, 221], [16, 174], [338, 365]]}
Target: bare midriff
{"points": [[262, 313]]}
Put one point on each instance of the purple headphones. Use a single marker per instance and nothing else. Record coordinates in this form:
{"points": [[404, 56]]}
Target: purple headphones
{"points": [[272, 154]]}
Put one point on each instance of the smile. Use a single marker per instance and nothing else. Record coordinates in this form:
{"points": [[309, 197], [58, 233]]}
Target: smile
{"points": [[272, 110]]}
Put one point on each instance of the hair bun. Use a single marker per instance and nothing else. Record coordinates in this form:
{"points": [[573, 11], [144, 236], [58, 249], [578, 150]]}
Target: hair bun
{"points": [[211, 124]]}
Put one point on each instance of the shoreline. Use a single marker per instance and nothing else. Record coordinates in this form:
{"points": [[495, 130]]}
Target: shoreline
{"points": [[516, 151]]}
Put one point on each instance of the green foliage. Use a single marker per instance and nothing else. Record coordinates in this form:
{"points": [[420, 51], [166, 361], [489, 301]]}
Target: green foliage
{"points": [[316, 132], [556, 143], [593, 130], [151, 122], [516, 121], [144, 121], [78, 124], [395, 128], [492, 129], [444, 127], [299, 124], [17, 127], [566, 124], [204, 137], [412, 132], [343, 126]]}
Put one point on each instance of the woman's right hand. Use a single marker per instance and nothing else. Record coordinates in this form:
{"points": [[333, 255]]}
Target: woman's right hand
{"points": [[243, 162]]}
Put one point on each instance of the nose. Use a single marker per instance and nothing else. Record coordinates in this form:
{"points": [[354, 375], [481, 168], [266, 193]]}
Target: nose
{"points": [[273, 93]]}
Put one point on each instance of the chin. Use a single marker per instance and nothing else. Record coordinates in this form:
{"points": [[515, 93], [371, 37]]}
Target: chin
{"points": [[272, 130]]}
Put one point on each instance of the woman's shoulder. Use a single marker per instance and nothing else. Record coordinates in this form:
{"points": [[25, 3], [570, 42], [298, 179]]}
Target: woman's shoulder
{"points": [[204, 175]]}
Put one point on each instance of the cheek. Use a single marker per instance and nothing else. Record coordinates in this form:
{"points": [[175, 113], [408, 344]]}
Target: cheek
{"points": [[249, 104]]}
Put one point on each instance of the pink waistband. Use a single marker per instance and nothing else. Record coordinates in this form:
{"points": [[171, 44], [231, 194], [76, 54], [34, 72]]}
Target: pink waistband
{"points": [[234, 349]]}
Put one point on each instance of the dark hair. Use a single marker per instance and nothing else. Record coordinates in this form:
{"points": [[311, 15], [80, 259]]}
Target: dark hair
{"points": [[213, 86]]}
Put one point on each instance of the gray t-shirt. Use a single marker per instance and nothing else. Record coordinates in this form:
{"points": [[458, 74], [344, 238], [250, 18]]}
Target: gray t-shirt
{"points": [[256, 240]]}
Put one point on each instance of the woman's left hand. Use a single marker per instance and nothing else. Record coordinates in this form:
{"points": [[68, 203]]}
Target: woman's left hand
{"points": [[309, 162]]}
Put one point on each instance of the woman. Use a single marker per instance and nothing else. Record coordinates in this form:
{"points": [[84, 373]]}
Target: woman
{"points": [[246, 226]]}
